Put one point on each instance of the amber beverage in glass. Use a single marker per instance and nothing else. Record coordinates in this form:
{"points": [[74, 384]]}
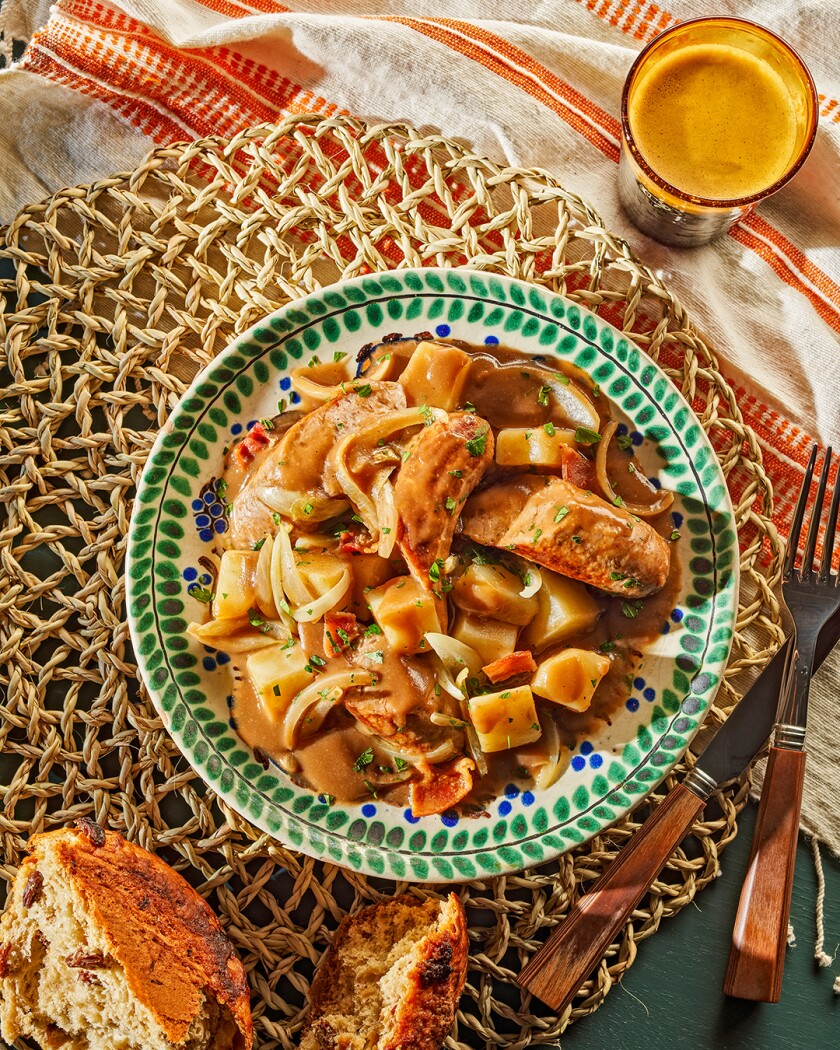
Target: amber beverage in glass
{"points": [[716, 115]]}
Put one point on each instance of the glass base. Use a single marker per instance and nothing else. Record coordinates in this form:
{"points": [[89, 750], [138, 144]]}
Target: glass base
{"points": [[666, 223]]}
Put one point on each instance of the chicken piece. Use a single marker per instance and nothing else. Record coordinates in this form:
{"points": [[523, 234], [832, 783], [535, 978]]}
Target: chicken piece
{"points": [[445, 463], [390, 687], [576, 533], [295, 469]]}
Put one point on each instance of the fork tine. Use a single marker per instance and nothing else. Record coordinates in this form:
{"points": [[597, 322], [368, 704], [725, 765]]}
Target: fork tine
{"points": [[830, 533], [814, 527], [798, 515]]}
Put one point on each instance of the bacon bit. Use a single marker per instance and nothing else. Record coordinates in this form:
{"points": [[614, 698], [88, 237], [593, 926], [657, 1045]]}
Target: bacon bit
{"points": [[4, 960], [349, 543], [33, 889], [335, 643], [520, 662], [447, 785], [578, 470], [254, 441]]}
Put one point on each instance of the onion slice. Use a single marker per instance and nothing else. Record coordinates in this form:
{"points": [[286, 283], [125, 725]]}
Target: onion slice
{"points": [[293, 584], [454, 655], [325, 691], [641, 510], [314, 608]]}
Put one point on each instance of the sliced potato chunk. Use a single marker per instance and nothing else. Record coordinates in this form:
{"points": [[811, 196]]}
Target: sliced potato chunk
{"points": [[533, 446], [236, 585], [571, 677], [435, 375], [318, 571], [491, 639], [505, 719], [565, 608], [492, 590], [278, 674], [405, 611]]}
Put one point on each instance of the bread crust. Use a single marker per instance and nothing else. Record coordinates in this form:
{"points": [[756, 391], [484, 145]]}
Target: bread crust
{"points": [[433, 981], [153, 922]]}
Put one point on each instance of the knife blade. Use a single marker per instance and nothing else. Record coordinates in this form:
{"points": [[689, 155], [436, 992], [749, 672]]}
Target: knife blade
{"points": [[573, 950]]}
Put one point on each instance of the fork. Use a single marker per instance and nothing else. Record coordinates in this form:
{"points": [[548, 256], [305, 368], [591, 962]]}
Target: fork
{"points": [[812, 595]]}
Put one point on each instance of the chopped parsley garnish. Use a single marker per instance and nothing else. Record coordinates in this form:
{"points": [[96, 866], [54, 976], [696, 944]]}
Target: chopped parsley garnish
{"points": [[371, 789], [561, 513], [585, 436], [275, 517], [624, 441], [675, 534], [504, 696], [308, 508], [256, 620], [373, 628], [281, 405], [427, 414], [386, 531], [290, 644], [562, 379], [202, 594], [343, 635], [400, 764], [550, 429], [606, 647], [618, 501], [339, 355], [575, 539], [469, 407], [267, 424], [632, 582], [364, 391], [456, 473], [319, 661], [326, 800], [618, 575], [542, 396], [477, 445], [377, 656], [535, 726], [364, 760], [221, 488], [312, 361], [434, 570], [596, 390], [258, 545], [537, 535], [451, 504], [631, 609]]}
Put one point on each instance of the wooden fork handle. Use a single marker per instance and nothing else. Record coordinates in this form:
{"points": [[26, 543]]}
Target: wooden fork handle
{"points": [[759, 939], [570, 954]]}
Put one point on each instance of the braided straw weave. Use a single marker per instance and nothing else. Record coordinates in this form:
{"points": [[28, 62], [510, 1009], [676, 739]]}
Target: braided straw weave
{"points": [[113, 296]]}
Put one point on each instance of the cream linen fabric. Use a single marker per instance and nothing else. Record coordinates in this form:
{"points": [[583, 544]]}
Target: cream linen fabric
{"points": [[535, 85]]}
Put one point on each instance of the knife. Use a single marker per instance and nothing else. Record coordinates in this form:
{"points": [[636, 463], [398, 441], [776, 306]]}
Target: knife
{"points": [[574, 949]]}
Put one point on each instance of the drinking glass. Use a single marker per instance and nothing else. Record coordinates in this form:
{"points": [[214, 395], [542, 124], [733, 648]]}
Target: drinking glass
{"points": [[667, 212]]}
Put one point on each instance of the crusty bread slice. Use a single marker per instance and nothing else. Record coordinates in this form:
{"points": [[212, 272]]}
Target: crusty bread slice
{"points": [[391, 979], [104, 947]]}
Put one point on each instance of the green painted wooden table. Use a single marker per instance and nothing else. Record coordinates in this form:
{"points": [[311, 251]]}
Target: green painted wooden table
{"points": [[671, 998]]}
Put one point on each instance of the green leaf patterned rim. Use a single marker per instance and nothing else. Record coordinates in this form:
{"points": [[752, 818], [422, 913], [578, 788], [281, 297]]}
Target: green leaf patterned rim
{"points": [[176, 520]]}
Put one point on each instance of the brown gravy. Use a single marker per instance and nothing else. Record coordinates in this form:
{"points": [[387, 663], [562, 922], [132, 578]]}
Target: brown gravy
{"points": [[504, 388]]}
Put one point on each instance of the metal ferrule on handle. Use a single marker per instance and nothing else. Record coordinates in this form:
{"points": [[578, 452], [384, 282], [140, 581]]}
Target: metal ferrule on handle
{"points": [[790, 737], [699, 783]]}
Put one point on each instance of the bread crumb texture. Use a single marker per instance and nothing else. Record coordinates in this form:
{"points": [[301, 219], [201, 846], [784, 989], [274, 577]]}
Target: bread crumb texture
{"points": [[391, 979], [104, 947]]}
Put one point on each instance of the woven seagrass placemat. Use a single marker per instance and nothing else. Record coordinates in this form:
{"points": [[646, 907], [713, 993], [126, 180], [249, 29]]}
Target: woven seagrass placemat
{"points": [[113, 296]]}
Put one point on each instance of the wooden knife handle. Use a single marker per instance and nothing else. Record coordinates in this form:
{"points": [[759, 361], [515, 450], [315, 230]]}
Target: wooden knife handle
{"points": [[759, 939], [570, 954]]}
